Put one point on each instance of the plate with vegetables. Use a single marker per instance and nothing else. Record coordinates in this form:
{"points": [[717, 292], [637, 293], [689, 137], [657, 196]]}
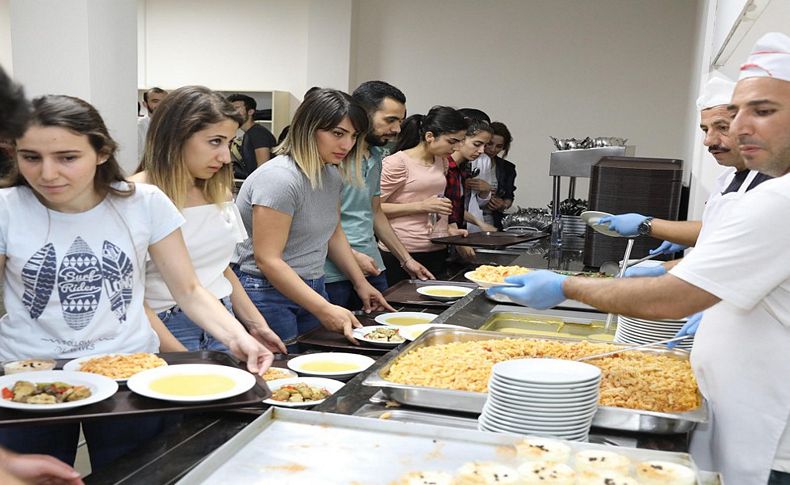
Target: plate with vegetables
{"points": [[380, 336], [302, 391], [54, 390]]}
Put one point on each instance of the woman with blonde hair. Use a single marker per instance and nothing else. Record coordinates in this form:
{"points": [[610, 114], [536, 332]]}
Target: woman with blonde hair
{"points": [[187, 155], [291, 209]]}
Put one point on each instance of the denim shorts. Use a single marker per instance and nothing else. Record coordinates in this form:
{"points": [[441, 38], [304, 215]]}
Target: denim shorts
{"points": [[286, 318], [187, 332]]}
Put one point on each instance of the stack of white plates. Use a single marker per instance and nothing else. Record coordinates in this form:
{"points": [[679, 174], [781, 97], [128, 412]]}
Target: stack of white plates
{"points": [[641, 331], [542, 397], [573, 225]]}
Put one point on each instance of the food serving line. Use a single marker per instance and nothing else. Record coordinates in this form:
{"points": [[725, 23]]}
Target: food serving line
{"points": [[177, 451]]}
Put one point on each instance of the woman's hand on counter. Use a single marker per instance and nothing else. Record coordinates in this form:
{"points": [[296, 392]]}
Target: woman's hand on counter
{"points": [[371, 298], [338, 319], [466, 253], [265, 335], [246, 348], [416, 270]]}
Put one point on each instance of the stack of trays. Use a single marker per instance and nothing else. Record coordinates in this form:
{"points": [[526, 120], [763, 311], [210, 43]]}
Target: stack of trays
{"points": [[640, 331], [573, 226], [542, 397]]}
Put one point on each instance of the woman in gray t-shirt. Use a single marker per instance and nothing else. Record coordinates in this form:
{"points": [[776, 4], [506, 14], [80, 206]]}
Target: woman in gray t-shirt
{"points": [[290, 208]]}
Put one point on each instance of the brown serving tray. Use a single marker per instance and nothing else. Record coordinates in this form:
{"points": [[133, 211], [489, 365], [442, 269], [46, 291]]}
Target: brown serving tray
{"points": [[126, 403], [490, 239], [404, 292]]}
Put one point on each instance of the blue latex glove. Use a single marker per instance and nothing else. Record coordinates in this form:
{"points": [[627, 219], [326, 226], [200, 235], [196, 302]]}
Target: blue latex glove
{"points": [[690, 328], [641, 271], [667, 247], [537, 289], [624, 224]]}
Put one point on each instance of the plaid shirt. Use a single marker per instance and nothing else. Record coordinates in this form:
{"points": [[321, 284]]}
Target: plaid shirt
{"points": [[455, 192]]}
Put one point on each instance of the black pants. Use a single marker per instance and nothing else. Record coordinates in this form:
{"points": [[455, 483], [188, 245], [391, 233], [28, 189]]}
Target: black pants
{"points": [[434, 261], [779, 478]]}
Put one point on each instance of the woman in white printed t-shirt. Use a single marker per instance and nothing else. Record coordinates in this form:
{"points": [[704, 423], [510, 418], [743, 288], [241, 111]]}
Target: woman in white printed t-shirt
{"points": [[187, 155], [73, 240]]}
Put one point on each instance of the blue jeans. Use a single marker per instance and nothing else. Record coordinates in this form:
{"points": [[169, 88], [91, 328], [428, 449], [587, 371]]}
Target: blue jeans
{"points": [[342, 293], [286, 318], [108, 439], [193, 337]]}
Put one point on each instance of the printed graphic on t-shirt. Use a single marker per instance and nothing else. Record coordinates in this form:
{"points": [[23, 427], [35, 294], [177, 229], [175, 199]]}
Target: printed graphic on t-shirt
{"points": [[79, 280]]}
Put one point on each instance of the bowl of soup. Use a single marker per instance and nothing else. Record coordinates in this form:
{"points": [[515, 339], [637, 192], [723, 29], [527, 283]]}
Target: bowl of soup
{"points": [[444, 292], [338, 365], [191, 382], [404, 319]]}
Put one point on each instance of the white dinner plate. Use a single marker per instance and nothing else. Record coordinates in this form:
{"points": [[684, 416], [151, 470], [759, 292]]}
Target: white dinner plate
{"points": [[484, 284], [413, 331], [362, 334], [141, 383], [543, 409], [430, 292], [591, 218], [391, 318], [530, 418], [515, 397], [101, 388], [522, 386], [546, 371], [75, 364], [330, 385], [302, 364]]}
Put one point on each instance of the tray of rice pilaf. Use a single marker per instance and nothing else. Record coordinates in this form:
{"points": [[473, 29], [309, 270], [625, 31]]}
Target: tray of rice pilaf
{"points": [[648, 390]]}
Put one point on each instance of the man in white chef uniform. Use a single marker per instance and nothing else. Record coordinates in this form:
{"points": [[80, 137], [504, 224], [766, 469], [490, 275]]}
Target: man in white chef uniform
{"points": [[739, 275], [679, 235]]}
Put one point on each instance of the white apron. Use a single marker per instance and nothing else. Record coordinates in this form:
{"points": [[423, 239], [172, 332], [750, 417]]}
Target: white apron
{"points": [[742, 367]]}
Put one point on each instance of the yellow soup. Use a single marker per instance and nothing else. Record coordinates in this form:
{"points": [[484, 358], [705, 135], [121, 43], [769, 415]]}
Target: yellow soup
{"points": [[192, 384], [407, 320], [329, 366], [446, 292]]}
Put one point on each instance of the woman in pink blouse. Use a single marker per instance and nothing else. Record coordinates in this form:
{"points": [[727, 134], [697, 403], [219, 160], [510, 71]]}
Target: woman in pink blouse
{"points": [[412, 188]]}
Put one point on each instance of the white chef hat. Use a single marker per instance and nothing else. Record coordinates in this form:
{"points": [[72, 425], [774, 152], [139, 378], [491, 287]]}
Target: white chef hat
{"points": [[717, 91], [770, 57]]}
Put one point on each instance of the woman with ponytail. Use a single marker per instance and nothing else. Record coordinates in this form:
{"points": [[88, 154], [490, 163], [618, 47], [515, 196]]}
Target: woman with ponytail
{"points": [[412, 188]]}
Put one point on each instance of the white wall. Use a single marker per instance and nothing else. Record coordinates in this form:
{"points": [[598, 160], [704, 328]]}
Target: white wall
{"points": [[5, 36], [241, 45], [563, 68], [83, 48]]}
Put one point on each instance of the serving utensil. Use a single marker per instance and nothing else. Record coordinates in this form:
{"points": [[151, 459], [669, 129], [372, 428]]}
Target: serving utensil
{"points": [[635, 347], [612, 268]]}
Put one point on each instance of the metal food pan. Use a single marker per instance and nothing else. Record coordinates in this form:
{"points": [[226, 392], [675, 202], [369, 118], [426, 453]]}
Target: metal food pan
{"points": [[452, 400], [551, 323], [289, 446]]}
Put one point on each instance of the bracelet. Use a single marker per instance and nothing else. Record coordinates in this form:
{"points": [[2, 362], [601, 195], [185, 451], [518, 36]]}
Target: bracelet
{"points": [[403, 264]]}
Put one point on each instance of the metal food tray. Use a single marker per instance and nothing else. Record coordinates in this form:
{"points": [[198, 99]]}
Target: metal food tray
{"points": [[552, 323], [126, 403], [306, 447], [606, 417]]}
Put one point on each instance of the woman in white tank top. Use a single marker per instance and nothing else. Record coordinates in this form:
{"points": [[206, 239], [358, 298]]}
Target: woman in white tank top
{"points": [[187, 156]]}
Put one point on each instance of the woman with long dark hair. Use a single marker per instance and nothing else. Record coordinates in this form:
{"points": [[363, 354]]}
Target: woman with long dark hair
{"points": [[412, 188]]}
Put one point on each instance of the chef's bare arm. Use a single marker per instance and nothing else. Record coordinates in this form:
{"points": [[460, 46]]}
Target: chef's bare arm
{"points": [[662, 297], [678, 232]]}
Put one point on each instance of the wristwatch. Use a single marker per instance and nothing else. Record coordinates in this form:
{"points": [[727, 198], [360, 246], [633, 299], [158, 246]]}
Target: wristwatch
{"points": [[645, 226]]}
